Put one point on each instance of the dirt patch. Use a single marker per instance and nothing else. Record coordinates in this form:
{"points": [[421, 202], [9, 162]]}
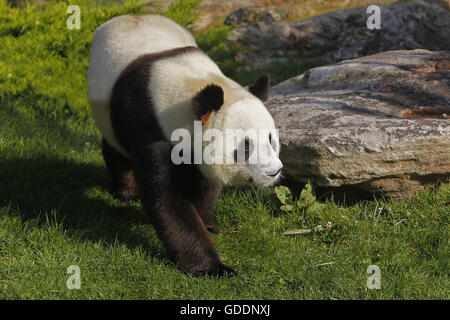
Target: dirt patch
{"points": [[436, 66], [428, 113]]}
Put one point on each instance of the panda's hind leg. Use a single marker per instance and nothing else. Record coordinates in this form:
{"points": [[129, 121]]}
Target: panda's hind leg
{"points": [[124, 185]]}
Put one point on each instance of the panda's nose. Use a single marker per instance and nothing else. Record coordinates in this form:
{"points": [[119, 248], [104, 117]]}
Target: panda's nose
{"points": [[277, 172]]}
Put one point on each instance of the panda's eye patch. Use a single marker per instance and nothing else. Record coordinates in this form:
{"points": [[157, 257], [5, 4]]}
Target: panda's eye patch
{"points": [[246, 148], [271, 142]]}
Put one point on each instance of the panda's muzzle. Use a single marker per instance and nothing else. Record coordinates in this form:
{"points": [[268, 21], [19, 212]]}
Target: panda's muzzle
{"points": [[276, 173]]}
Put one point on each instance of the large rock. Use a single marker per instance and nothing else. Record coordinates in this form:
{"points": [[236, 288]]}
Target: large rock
{"points": [[380, 123], [343, 34]]}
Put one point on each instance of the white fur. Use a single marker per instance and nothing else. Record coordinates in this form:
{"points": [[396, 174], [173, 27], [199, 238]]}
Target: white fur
{"points": [[174, 82], [116, 43], [248, 113]]}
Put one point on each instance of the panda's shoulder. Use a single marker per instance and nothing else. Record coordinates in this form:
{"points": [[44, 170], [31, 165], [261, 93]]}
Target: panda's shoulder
{"points": [[138, 70]]}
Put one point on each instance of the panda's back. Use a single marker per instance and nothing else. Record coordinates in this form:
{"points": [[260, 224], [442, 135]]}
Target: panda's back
{"points": [[122, 39], [116, 44], [179, 69]]}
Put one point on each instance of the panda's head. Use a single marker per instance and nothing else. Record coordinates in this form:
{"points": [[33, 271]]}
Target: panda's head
{"points": [[246, 142]]}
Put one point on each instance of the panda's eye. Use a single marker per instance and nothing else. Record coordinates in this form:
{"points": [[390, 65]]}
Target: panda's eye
{"points": [[246, 149], [271, 142]]}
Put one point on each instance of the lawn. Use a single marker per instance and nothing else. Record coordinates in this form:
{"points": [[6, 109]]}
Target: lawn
{"points": [[56, 209]]}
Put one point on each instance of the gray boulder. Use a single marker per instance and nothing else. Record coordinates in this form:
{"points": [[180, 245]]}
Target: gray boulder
{"points": [[379, 124], [343, 34]]}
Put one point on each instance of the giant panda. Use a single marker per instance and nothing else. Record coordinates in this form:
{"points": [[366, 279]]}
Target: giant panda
{"points": [[147, 78]]}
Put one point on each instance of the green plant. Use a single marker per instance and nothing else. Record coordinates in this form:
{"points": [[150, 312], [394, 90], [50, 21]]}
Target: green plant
{"points": [[306, 200], [183, 11]]}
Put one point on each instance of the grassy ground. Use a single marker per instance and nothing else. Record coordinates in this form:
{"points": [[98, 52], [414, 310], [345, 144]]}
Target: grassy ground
{"points": [[56, 211]]}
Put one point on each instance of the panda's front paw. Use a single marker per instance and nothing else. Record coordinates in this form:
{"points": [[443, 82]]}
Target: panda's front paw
{"points": [[219, 270], [211, 229], [223, 271]]}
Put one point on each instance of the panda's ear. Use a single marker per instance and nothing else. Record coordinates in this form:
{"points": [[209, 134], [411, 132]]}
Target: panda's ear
{"points": [[260, 88], [206, 100]]}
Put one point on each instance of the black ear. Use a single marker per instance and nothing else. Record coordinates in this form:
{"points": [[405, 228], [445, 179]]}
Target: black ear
{"points": [[206, 100], [260, 88]]}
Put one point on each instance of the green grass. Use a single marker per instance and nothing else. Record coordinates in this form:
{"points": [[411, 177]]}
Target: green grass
{"points": [[56, 210]]}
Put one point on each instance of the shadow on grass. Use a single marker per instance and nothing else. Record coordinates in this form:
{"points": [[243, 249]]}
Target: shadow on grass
{"points": [[73, 195]]}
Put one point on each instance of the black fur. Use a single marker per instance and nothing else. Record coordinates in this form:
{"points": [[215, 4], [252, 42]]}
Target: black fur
{"points": [[123, 181], [178, 198], [260, 88], [208, 99]]}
